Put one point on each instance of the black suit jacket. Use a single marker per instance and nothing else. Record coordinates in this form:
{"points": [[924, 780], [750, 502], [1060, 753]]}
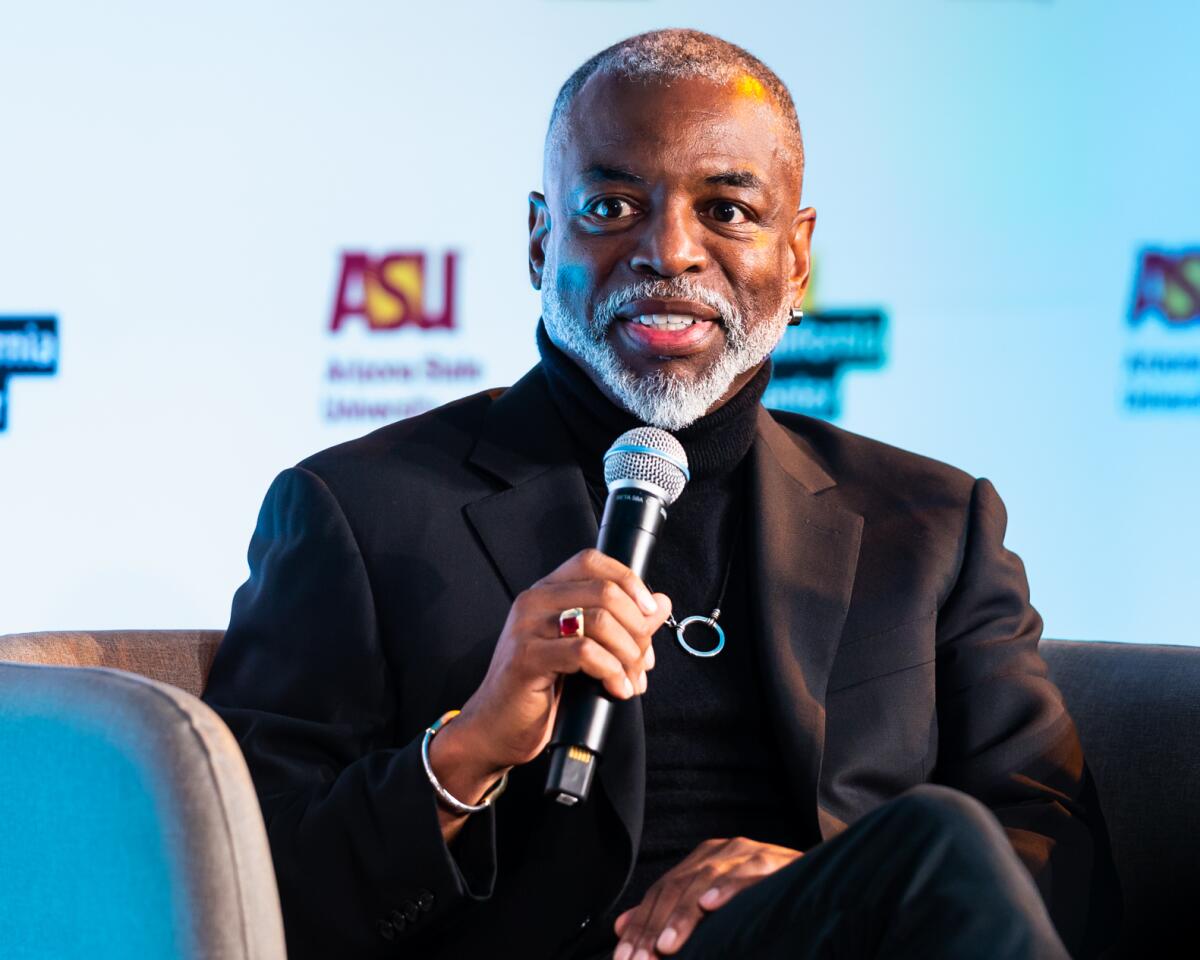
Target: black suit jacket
{"points": [[895, 632]]}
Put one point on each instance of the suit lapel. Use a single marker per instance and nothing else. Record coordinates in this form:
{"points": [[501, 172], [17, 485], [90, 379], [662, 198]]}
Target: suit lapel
{"points": [[805, 553], [530, 529], [543, 517]]}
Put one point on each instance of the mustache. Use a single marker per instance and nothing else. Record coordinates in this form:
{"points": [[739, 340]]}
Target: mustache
{"points": [[677, 288]]}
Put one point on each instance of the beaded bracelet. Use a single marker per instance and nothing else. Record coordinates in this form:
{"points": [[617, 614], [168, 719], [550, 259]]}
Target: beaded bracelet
{"points": [[445, 795]]}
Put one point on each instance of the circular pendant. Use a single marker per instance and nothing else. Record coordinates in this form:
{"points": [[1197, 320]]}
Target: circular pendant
{"points": [[709, 622]]}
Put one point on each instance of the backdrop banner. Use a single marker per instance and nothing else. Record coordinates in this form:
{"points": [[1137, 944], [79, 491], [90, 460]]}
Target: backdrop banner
{"points": [[234, 234]]}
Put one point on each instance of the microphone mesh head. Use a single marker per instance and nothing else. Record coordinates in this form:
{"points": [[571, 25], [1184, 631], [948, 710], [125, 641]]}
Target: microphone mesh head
{"points": [[648, 455]]}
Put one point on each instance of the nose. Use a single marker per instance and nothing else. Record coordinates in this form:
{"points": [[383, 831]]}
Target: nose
{"points": [[667, 245]]}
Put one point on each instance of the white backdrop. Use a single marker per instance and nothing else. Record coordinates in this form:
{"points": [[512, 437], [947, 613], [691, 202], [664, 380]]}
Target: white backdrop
{"points": [[179, 186]]}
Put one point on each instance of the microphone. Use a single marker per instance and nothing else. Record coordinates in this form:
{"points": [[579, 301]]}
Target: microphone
{"points": [[645, 470]]}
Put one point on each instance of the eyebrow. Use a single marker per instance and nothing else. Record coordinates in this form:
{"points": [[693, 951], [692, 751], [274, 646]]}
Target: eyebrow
{"points": [[736, 178], [602, 172]]}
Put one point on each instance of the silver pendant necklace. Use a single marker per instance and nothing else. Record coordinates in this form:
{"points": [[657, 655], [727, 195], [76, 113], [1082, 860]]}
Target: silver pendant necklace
{"points": [[681, 626]]}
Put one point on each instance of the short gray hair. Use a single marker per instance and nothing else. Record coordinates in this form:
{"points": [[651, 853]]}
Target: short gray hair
{"points": [[665, 55]]}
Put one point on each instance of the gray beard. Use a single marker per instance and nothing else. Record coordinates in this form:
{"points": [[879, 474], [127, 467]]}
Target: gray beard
{"points": [[660, 399]]}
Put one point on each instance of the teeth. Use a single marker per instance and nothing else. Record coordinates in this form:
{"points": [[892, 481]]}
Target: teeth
{"points": [[665, 321]]}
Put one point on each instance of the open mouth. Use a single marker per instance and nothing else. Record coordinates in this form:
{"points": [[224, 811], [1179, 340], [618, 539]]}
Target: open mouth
{"points": [[667, 328], [666, 321], [667, 311]]}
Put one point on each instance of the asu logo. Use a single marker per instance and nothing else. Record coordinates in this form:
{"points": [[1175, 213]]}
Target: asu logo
{"points": [[392, 292], [1167, 285]]}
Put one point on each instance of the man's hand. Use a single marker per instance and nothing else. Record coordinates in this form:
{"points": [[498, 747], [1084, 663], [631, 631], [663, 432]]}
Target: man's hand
{"points": [[509, 719], [707, 879]]}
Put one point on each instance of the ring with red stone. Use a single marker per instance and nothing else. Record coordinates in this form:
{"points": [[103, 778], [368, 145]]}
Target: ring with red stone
{"points": [[570, 622]]}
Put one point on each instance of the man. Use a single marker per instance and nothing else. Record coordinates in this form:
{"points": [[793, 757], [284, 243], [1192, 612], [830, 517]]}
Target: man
{"points": [[874, 765]]}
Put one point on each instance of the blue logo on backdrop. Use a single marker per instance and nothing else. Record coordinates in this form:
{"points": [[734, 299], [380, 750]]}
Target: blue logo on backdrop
{"points": [[28, 345], [809, 360]]}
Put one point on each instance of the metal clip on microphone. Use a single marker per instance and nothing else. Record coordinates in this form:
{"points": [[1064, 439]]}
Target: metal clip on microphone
{"points": [[645, 470]]}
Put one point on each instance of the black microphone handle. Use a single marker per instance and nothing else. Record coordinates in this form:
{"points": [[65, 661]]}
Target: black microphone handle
{"points": [[629, 527], [628, 532]]}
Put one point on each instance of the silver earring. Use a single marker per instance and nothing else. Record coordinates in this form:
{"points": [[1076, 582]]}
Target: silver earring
{"points": [[796, 318]]}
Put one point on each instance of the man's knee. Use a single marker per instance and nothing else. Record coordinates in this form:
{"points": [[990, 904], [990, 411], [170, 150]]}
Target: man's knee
{"points": [[955, 822], [953, 827], [954, 855], [945, 809]]}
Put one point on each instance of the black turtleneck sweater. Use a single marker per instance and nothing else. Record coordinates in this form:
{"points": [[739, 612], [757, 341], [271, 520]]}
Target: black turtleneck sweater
{"points": [[712, 765]]}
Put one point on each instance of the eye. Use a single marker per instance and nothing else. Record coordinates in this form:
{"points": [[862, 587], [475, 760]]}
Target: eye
{"points": [[724, 211], [610, 208]]}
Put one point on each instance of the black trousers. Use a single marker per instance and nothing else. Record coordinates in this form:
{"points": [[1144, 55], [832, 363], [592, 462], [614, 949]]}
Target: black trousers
{"points": [[929, 874]]}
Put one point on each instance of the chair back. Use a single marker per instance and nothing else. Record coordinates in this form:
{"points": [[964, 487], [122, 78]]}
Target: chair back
{"points": [[1137, 708], [181, 658], [129, 826]]}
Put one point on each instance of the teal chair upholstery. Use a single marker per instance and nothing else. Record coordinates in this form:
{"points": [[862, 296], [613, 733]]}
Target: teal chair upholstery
{"points": [[129, 827]]}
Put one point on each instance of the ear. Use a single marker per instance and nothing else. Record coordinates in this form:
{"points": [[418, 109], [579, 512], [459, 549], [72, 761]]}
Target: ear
{"points": [[539, 230], [800, 242]]}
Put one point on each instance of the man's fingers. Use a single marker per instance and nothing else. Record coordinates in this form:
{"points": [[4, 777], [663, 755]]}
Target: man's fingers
{"points": [[678, 925], [669, 913], [636, 941], [677, 912], [717, 896], [591, 564], [664, 609], [610, 617], [633, 925], [730, 883], [552, 598], [600, 625], [575, 654], [708, 878]]}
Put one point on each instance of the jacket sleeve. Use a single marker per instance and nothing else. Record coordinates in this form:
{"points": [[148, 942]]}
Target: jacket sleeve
{"points": [[1004, 735], [303, 681]]}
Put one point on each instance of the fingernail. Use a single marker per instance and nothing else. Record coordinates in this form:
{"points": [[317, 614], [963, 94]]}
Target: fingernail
{"points": [[710, 897], [642, 682], [646, 600], [649, 658], [628, 687], [623, 951], [642, 955], [667, 939]]}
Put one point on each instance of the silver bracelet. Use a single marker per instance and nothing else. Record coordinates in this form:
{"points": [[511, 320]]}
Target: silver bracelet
{"points": [[445, 795]]}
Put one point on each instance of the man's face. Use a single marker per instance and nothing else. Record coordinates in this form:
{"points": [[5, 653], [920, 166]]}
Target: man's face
{"points": [[668, 247]]}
